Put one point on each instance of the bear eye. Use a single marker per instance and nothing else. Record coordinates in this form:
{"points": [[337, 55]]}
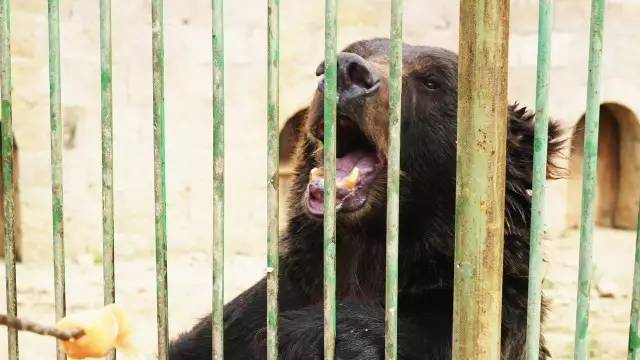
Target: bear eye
{"points": [[431, 84]]}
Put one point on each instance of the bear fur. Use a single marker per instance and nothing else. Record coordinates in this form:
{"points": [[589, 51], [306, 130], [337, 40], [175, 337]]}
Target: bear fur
{"points": [[427, 204]]}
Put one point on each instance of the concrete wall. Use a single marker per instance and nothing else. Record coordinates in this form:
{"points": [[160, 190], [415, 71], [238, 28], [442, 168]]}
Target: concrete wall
{"points": [[188, 104]]}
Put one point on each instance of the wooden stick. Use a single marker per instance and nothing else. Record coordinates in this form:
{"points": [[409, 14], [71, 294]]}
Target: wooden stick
{"points": [[26, 325]]}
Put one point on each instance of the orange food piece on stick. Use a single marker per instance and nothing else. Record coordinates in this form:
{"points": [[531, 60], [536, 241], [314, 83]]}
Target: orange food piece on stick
{"points": [[105, 329], [351, 181]]}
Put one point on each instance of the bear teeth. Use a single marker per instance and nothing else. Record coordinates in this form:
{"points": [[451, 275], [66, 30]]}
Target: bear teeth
{"points": [[316, 174], [349, 182]]}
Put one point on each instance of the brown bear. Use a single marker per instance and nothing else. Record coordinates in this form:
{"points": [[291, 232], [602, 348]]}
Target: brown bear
{"points": [[427, 201]]}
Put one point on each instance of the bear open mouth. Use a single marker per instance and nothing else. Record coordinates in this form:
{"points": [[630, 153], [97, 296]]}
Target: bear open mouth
{"points": [[357, 165]]}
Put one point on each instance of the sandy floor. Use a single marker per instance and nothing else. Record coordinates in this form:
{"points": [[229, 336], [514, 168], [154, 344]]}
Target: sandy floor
{"points": [[189, 296], [613, 254]]}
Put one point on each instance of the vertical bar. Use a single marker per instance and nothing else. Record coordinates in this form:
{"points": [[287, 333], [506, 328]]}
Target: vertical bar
{"points": [[393, 181], [218, 180], [7, 172], [157, 24], [273, 44], [107, 155], [56, 162], [107, 150], [330, 96], [480, 182], [634, 335], [545, 18], [589, 179]]}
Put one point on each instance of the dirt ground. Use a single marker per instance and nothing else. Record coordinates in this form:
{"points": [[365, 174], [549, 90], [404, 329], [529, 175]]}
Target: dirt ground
{"points": [[190, 289], [613, 255]]}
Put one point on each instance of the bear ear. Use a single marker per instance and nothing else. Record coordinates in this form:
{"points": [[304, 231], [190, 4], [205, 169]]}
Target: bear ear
{"points": [[290, 134], [521, 139]]}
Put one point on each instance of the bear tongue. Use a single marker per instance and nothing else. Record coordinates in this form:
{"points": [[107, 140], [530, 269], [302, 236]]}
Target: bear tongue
{"points": [[344, 185], [353, 171], [365, 162]]}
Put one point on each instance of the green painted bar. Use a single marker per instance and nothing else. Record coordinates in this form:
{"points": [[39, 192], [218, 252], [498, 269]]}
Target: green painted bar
{"points": [[107, 150], [545, 19], [393, 181], [218, 180], [107, 155], [589, 179], [157, 41], [56, 162], [7, 172], [634, 327], [480, 182], [330, 97], [273, 109]]}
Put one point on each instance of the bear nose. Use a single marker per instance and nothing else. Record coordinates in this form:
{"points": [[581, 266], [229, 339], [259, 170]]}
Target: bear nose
{"points": [[356, 78]]}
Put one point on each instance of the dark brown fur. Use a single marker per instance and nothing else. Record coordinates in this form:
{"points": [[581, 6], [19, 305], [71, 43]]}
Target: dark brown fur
{"points": [[427, 201]]}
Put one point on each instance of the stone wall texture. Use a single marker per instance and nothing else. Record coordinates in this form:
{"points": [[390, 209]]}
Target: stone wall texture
{"points": [[189, 114]]}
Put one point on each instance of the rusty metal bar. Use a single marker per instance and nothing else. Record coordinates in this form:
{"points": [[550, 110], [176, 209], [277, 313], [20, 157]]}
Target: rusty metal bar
{"points": [[218, 180], [534, 305], [273, 236], [56, 162], [589, 179], [106, 115], [634, 335], [480, 182], [160, 193], [7, 173], [393, 182], [330, 96], [107, 151]]}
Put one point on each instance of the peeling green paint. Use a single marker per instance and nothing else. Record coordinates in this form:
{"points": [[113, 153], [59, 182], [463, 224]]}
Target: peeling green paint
{"points": [[589, 180], [107, 150], [534, 305], [634, 333], [393, 182], [106, 115], [7, 173], [159, 176], [218, 180], [330, 96], [56, 162], [273, 43], [480, 181]]}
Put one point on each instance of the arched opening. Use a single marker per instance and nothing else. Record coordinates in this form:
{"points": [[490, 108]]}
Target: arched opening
{"points": [[618, 175]]}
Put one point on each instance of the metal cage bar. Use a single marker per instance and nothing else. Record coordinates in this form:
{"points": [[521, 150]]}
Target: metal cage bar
{"points": [[106, 116], [393, 182], [7, 172], [218, 179], [634, 326], [330, 96], [56, 161], [589, 179], [480, 181], [107, 150], [540, 145], [273, 185], [159, 175]]}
